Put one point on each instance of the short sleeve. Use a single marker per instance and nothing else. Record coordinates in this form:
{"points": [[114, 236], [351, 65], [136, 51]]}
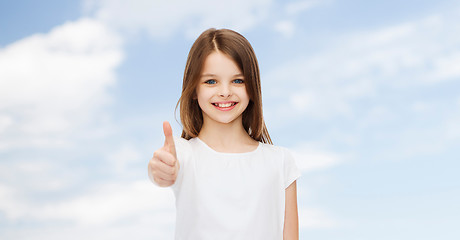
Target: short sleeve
{"points": [[291, 171]]}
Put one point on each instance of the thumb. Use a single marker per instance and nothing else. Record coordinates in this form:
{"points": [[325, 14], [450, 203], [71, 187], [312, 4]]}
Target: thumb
{"points": [[169, 140]]}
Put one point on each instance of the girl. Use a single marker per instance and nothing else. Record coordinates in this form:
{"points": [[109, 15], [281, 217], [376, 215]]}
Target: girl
{"points": [[229, 181]]}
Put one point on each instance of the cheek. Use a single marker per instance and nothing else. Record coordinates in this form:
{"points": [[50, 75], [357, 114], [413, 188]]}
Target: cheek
{"points": [[243, 93], [202, 97], [201, 94]]}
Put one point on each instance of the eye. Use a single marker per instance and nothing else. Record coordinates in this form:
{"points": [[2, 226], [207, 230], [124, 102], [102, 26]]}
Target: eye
{"points": [[210, 81], [239, 81]]}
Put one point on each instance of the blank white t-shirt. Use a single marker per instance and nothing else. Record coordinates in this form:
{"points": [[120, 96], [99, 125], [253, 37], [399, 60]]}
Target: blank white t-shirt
{"points": [[231, 195]]}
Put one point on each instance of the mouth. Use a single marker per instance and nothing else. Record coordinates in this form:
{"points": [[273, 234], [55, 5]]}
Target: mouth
{"points": [[225, 106]]}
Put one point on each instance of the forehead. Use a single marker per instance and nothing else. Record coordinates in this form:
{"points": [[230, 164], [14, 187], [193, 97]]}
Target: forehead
{"points": [[220, 64]]}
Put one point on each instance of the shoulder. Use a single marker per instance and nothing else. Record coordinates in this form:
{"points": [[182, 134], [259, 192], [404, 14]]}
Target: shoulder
{"points": [[184, 142], [180, 141], [183, 145], [278, 153], [284, 158], [270, 148]]}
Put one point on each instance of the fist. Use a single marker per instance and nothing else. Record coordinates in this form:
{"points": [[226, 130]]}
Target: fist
{"points": [[164, 167]]}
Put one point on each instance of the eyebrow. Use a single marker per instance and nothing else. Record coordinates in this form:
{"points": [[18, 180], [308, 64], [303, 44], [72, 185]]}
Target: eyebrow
{"points": [[214, 75]]}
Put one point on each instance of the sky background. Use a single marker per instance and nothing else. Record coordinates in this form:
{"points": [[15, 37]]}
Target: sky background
{"points": [[365, 93]]}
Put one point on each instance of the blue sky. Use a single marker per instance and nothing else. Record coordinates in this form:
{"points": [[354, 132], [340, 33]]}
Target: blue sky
{"points": [[366, 94]]}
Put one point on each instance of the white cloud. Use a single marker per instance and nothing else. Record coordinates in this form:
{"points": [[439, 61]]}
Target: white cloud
{"points": [[294, 8], [102, 205], [5, 122], [8, 201], [285, 27], [142, 228], [452, 129], [309, 158], [51, 84], [314, 218], [110, 211], [327, 84], [125, 156], [164, 18], [376, 115], [447, 67], [422, 107], [109, 203]]}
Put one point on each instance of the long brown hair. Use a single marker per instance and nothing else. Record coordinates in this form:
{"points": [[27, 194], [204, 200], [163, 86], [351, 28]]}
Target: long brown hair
{"points": [[239, 49]]}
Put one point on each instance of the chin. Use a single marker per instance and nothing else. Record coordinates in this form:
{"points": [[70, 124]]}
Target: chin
{"points": [[224, 120]]}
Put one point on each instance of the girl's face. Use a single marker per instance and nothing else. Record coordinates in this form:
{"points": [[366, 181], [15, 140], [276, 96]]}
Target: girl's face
{"points": [[221, 90]]}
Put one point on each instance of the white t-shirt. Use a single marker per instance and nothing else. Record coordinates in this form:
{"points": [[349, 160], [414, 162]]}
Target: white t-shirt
{"points": [[231, 195]]}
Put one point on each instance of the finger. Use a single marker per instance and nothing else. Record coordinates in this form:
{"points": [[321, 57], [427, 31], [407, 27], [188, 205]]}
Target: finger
{"points": [[169, 140], [162, 182], [159, 166], [165, 157], [165, 175]]}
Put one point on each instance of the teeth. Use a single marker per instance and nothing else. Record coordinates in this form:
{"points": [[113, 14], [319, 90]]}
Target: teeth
{"points": [[224, 105]]}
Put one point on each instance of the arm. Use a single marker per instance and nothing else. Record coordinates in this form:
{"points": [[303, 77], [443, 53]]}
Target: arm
{"points": [[291, 219]]}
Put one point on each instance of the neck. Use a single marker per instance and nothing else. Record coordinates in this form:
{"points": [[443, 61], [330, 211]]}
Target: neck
{"points": [[225, 136]]}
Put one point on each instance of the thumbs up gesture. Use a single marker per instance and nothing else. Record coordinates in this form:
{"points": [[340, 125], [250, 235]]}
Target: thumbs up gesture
{"points": [[164, 167]]}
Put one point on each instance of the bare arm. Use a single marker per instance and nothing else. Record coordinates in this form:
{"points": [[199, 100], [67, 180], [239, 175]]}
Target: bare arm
{"points": [[291, 218]]}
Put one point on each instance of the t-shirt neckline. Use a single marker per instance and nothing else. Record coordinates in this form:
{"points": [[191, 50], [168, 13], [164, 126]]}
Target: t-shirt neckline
{"points": [[227, 153]]}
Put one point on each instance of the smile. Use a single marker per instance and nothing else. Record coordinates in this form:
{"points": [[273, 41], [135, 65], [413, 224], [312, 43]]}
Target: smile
{"points": [[225, 106]]}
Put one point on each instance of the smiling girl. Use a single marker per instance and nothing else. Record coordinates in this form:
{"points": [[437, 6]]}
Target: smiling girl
{"points": [[229, 180]]}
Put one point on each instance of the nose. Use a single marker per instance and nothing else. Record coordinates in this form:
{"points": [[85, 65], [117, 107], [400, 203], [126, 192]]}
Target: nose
{"points": [[225, 90]]}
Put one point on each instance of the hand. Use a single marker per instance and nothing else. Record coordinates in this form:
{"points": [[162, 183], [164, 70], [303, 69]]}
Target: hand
{"points": [[164, 166]]}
